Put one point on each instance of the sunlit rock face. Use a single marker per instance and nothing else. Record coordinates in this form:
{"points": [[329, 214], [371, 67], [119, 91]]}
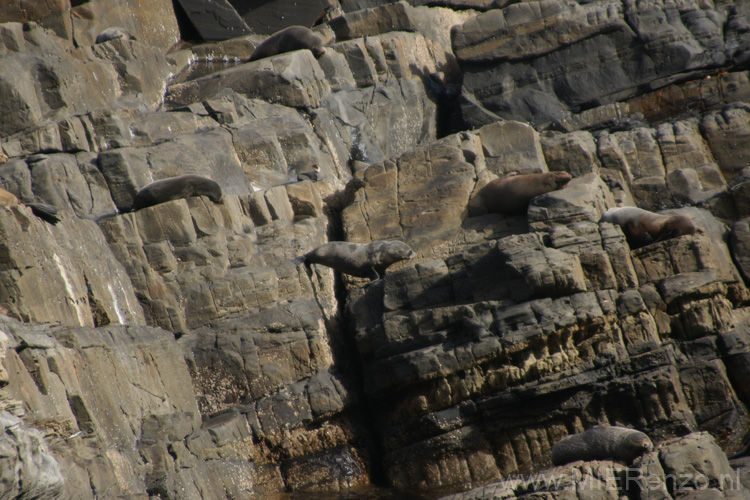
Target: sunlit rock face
{"points": [[181, 351]]}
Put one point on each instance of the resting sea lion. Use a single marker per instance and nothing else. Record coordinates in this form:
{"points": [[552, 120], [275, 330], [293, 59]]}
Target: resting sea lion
{"points": [[600, 443], [44, 211], [642, 227], [174, 188], [512, 194], [113, 33], [365, 260], [287, 40], [311, 173]]}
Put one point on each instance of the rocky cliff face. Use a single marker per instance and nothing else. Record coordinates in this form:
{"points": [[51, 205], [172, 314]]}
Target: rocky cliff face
{"points": [[179, 352]]}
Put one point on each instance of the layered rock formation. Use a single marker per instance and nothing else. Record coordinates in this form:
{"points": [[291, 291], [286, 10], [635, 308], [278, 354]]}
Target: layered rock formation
{"points": [[178, 351]]}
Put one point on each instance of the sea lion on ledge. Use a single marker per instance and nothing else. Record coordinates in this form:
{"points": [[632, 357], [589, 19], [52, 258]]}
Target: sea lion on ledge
{"points": [[602, 442], [113, 33], [512, 194], [44, 211], [174, 188], [364, 260], [287, 40], [642, 227]]}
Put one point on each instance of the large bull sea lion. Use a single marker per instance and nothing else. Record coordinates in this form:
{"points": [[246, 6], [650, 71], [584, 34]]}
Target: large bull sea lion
{"points": [[364, 260], [602, 442], [174, 188], [511, 194], [642, 227], [287, 40]]}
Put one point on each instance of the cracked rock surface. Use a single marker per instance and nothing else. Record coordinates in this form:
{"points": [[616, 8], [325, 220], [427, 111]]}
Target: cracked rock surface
{"points": [[179, 352]]}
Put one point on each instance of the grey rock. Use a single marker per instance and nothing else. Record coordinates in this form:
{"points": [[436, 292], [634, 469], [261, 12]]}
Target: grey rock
{"points": [[292, 79], [696, 460], [512, 146], [152, 23], [575, 153], [583, 199], [74, 283], [740, 247], [142, 71], [398, 16], [269, 17], [539, 271], [726, 131], [216, 20], [547, 39]]}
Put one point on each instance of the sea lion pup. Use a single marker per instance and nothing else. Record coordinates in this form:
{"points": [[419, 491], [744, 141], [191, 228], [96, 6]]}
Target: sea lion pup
{"points": [[364, 260], [642, 227], [287, 40], [512, 194], [113, 33], [44, 211], [602, 442], [174, 188]]}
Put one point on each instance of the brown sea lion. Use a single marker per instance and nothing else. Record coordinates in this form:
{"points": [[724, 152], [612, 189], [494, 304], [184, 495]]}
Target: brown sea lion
{"points": [[287, 40], [642, 227], [602, 442], [512, 194], [44, 211], [364, 260], [174, 188]]}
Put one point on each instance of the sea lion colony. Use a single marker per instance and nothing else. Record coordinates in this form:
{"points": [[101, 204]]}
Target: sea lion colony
{"points": [[507, 195]]}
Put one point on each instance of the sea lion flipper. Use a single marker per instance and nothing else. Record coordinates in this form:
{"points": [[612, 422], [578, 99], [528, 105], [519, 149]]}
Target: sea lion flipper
{"points": [[299, 260], [45, 212]]}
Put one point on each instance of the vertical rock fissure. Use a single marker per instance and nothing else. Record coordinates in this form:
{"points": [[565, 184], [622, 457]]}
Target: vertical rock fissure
{"points": [[345, 353]]}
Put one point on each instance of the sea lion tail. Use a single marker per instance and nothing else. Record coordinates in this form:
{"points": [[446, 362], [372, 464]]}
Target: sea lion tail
{"points": [[102, 217], [45, 212]]}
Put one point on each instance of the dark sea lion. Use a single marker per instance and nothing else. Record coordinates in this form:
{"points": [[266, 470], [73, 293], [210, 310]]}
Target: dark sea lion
{"points": [[311, 173], [174, 188], [642, 227], [364, 260], [512, 194], [113, 33], [602, 442], [44, 211], [287, 40]]}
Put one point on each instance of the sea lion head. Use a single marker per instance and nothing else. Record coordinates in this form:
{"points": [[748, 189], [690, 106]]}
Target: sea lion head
{"points": [[634, 445], [398, 250], [558, 180], [318, 51], [677, 225]]}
